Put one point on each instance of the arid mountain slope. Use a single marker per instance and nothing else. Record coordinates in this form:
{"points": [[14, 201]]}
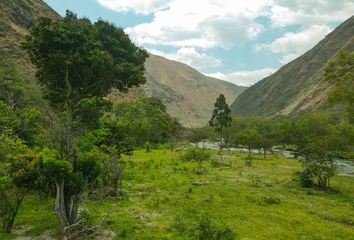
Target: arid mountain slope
{"points": [[298, 86], [187, 94], [16, 17]]}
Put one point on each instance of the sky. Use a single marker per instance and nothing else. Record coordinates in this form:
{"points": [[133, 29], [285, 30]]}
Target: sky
{"points": [[240, 41]]}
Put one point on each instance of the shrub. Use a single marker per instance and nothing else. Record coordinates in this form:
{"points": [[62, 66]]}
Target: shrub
{"points": [[198, 155], [209, 229], [269, 201], [255, 180], [305, 179]]}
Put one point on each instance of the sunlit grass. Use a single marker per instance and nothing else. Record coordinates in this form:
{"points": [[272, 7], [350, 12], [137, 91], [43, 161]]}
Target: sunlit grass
{"points": [[264, 201]]}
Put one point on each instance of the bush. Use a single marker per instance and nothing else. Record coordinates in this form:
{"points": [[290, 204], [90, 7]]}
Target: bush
{"points": [[269, 201], [319, 166], [305, 179], [255, 180], [196, 154], [209, 229]]}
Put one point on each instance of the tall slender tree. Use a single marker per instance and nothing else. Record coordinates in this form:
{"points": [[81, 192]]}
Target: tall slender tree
{"points": [[221, 118]]}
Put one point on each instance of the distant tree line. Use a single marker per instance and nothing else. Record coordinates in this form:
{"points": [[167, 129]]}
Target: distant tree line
{"points": [[317, 138]]}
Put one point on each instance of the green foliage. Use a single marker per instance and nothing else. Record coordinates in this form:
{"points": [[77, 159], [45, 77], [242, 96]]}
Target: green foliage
{"points": [[146, 120], [57, 169], [221, 117], [24, 169], [319, 165], [196, 135], [209, 229], [147, 146], [25, 124], [319, 140], [255, 180], [13, 89], [196, 154], [340, 72], [15, 181], [78, 63], [89, 111], [221, 114], [83, 59], [87, 163], [269, 201], [234, 201]]}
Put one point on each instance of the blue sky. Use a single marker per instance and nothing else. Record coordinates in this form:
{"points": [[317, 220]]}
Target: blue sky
{"points": [[235, 40]]}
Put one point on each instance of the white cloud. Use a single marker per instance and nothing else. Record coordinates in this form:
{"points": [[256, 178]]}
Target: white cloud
{"points": [[196, 26], [190, 56], [244, 78], [289, 57], [292, 44], [307, 12], [223, 23], [207, 24], [138, 6]]}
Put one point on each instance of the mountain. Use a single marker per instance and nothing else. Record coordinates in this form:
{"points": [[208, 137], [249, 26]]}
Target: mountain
{"points": [[298, 86], [187, 94], [16, 17]]}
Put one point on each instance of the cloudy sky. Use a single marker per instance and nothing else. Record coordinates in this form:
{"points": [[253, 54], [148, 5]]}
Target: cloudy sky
{"points": [[240, 41]]}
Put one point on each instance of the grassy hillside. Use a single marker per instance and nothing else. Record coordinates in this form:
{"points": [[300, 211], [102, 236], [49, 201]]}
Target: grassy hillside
{"points": [[298, 86], [264, 201], [16, 17], [187, 94]]}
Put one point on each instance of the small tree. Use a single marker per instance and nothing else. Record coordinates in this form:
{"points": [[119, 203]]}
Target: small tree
{"points": [[249, 139], [319, 165], [197, 155], [20, 177], [319, 141], [221, 118]]}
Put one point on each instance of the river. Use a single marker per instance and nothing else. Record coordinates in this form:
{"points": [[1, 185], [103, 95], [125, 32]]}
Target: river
{"points": [[345, 167]]}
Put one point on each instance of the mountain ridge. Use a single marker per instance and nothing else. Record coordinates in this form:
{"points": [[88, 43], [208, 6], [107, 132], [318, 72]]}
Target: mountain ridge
{"points": [[298, 86]]}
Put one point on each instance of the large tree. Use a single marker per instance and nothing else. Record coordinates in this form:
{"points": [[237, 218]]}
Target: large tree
{"points": [[75, 60], [221, 118]]}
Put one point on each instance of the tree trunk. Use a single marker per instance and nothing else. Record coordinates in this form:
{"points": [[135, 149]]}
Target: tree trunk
{"points": [[11, 211], [264, 153], [221, 142], [69, 120], [60, 208], [75, 203]]}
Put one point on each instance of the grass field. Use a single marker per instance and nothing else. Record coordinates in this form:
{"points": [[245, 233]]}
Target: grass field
{"points": [[264, 201]]}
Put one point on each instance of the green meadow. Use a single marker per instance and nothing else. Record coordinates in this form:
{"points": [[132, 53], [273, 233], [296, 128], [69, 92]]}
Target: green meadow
{"points": [[164, 197]]}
